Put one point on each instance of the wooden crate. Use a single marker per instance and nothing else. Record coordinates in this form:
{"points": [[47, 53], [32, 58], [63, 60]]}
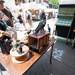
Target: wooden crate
{"points": [[38, 43]]}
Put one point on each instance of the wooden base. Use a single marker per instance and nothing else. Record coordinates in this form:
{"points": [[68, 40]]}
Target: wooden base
{"points": [[39, 43]]}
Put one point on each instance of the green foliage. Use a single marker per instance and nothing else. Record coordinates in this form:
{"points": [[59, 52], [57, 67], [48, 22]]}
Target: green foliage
{"points": [[55, 2]]}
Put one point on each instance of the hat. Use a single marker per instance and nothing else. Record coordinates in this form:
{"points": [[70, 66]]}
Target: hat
{"points": [[2, 1]]}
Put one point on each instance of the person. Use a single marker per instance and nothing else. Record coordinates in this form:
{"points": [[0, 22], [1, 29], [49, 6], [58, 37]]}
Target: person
{"points": [[29, 18], [7, 16], [49, 29], [73, 22], [5, 39], [72, 32], [42, 15], [20, 16]]}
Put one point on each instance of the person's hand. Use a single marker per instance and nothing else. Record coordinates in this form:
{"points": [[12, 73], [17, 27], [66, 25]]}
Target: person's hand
{"points": [[1, 33], [6, 33]]}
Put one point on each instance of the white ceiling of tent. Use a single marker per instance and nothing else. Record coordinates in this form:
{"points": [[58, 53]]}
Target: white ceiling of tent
{"points": [[67, 1]]}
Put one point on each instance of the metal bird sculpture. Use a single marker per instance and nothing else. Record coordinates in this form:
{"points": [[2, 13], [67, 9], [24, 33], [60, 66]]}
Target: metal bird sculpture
{"points": [[40, 26]]}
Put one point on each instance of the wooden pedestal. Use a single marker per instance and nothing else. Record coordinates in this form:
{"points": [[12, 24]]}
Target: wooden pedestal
{"points": [[38, 43]]}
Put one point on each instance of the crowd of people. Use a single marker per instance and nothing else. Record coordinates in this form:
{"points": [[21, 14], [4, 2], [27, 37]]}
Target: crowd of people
{"points": [[7, 24]]}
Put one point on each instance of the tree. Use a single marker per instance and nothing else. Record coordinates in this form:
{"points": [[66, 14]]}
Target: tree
{"points": [[54, 2]]}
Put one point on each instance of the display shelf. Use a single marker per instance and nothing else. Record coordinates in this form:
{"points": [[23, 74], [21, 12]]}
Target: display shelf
{"points": [[64, 22], [65, 19]]}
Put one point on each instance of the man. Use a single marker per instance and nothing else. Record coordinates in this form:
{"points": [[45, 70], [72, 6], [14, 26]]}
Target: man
{"points": [[4, 36], [7, 35], [6, 30], [42, 15], [7, 16]]}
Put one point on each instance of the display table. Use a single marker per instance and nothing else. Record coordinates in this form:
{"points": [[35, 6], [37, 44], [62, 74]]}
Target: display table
{"points": [[21, 69], [73, 42]]}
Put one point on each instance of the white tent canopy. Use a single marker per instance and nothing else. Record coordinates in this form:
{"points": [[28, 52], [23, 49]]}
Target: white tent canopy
{"points": [[67, 2], [31, 5]]}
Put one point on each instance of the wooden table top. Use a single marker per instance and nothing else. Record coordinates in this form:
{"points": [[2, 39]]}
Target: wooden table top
{"points": [[19, 69]]}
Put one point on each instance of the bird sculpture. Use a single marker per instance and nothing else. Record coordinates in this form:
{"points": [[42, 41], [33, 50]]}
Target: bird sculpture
{"points": [[40, 27]]}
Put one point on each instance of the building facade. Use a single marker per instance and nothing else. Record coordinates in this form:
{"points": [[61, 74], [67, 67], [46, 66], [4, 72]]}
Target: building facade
{"points": [[26, 1], [8, 2]]}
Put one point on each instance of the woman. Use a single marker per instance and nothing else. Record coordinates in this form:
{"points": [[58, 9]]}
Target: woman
{"points": [[5, 39], [7, 16]]}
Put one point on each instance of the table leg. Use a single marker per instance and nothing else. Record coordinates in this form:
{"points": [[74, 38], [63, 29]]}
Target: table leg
{"points": [[73, 42], [51, 54]]}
